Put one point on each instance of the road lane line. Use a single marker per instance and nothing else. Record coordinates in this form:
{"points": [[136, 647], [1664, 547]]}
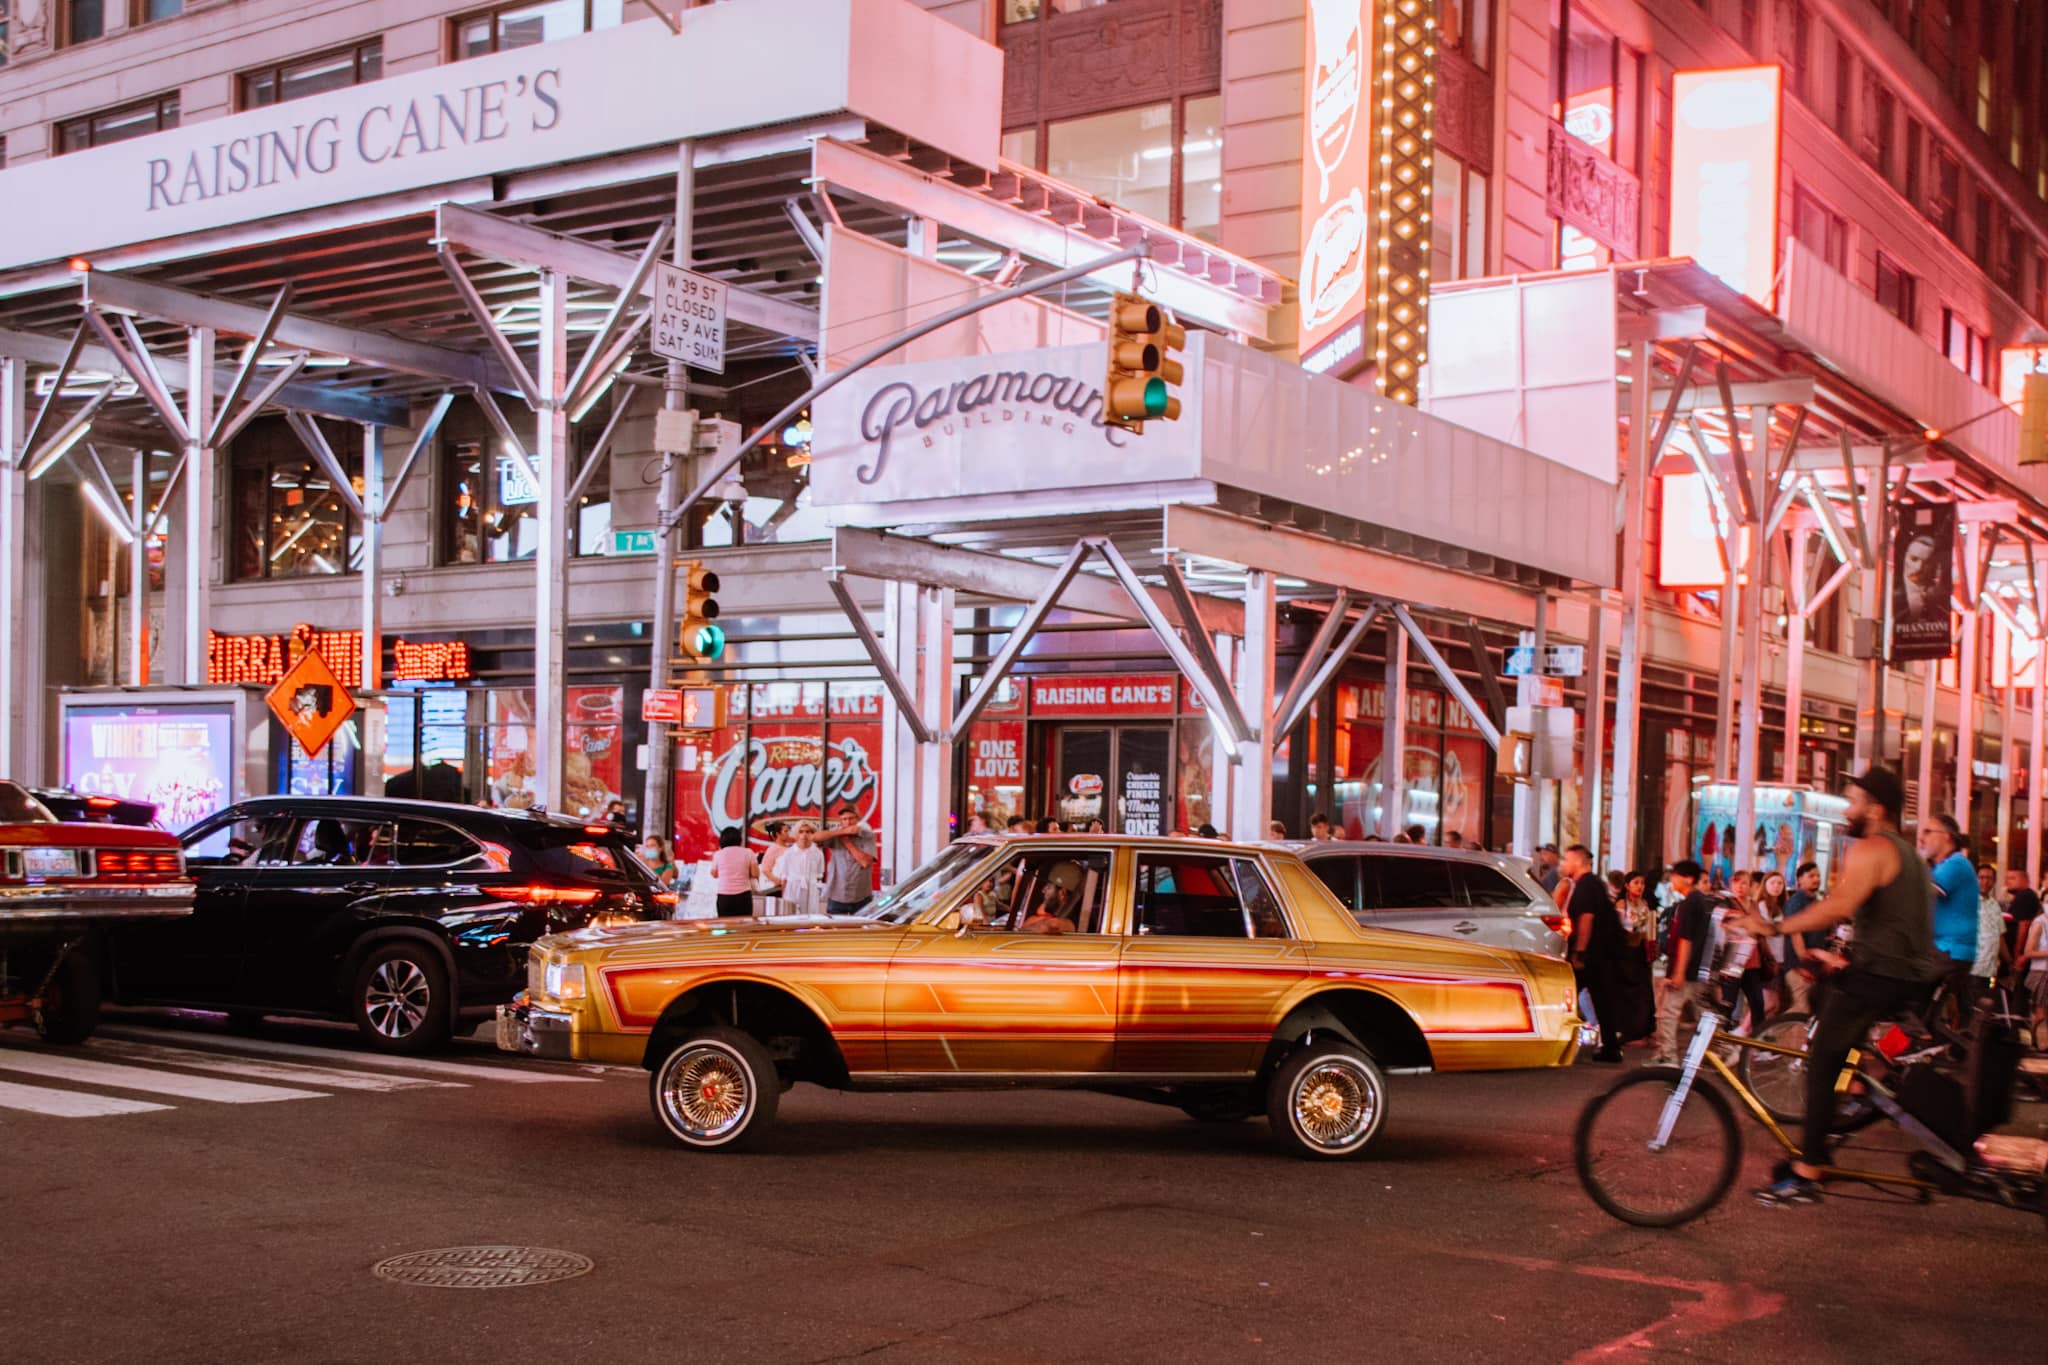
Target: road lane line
{"points": [[154, 1082], [68, 1104], [333, 1077], [470, 1071]]}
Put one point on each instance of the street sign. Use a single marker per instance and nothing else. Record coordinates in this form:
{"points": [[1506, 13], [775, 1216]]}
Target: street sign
{"points": [[311, 702], [688, 322], [1557, 661], [633, 542], [692, 708]]}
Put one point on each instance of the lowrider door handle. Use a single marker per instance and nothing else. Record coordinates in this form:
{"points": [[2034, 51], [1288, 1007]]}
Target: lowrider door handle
{"points": [[1465, 927], [359, 888]]}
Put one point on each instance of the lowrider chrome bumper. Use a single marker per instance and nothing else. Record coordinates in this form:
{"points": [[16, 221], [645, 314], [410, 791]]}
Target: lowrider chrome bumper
{"points": [[78, 903], [535, 1032]]}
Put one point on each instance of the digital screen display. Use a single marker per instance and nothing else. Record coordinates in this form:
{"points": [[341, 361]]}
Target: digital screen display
{"points": [[180, 758]]}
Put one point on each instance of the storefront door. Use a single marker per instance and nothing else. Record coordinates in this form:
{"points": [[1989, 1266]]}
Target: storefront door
{"points": [[1118, 774]]}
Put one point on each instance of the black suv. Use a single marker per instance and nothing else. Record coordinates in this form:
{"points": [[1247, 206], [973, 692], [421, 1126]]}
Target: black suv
{"points": [[402, 916]]}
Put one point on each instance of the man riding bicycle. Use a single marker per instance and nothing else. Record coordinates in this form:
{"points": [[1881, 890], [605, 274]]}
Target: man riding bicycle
{"points": [[1885, 890]]}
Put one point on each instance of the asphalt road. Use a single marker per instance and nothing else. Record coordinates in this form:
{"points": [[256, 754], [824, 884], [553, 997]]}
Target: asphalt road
{"points": [[230, 1224]]}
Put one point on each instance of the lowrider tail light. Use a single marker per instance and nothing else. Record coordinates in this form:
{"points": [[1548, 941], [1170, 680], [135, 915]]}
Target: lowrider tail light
{"points": [[139, 864]]}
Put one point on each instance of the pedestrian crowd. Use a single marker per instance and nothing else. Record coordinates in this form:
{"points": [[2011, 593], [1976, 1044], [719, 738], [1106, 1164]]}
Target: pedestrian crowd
{"points": [[1652, 950]]}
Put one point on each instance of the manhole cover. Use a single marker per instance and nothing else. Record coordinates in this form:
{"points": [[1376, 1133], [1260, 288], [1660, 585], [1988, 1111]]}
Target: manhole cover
{"points": [[483, 1267]]}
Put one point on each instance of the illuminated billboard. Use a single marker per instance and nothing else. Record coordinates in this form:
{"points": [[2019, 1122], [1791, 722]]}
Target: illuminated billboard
{"points": [[179, 757], [1368, 96], [1724, 174], [1688, 542], [1337, 132]]}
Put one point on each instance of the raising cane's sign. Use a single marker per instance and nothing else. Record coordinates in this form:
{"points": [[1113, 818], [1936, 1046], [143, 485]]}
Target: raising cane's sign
{"points": [[778, 778]]}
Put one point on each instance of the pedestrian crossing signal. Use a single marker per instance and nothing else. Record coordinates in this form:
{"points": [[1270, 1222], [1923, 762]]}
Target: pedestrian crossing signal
{"points": [[698, 634], [1142, 368]]}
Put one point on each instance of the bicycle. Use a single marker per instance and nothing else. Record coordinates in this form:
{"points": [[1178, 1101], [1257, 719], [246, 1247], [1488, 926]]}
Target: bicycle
{"points": [[1659, 1147]]}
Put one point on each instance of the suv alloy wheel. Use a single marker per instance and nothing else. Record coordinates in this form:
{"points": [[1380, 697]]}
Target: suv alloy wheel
{"points": [[400, 999]]}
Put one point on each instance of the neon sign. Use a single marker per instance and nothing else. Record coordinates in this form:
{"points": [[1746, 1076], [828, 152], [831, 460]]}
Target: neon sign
{"points": [[263, 659]]}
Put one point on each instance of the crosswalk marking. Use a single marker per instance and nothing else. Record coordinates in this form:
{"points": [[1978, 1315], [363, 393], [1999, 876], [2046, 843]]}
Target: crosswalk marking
{"points": [[68, 1104], [65, 1068], [468, 1071], [334, 1078]]}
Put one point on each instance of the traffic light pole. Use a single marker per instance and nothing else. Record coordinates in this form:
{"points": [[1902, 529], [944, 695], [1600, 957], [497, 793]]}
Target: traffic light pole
{"points": [[946, 319], [656, 813]]}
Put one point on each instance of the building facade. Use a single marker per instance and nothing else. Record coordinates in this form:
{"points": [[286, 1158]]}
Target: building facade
{"points": [[1912, 171]]}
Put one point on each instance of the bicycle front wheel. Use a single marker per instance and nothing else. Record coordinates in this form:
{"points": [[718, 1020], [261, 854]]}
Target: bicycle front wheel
{"points": [[1657, 1187], [1778, 1081]]}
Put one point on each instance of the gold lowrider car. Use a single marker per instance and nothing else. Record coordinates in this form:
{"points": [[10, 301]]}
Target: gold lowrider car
{"points": [[1221, 978]]}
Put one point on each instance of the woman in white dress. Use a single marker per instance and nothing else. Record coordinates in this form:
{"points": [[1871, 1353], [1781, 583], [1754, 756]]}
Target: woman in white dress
{"points": [[799, 874]]}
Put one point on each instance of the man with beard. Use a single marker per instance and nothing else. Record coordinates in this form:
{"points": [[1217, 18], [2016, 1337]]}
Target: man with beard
{"points": [[1885, 889]]}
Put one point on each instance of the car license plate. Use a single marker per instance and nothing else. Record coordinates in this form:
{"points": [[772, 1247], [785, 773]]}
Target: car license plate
{"points": [[49, 862]]}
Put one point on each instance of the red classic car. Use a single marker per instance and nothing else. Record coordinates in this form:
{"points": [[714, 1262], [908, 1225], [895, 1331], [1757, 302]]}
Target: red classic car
{"points": [[60, 883]]}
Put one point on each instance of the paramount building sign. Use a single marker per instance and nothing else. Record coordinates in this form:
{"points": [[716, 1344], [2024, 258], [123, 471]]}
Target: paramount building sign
{"points": [[985, 424]]}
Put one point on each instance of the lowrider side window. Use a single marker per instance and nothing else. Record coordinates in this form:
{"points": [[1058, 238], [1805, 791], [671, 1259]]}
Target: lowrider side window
{"points": [[1059, 891], [1186, 895], [915, 894]]}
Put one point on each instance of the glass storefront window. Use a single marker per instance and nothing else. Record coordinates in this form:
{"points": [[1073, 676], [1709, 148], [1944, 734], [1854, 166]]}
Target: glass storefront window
{"points": [[1021, 146], [1125, 156], [289, 519], [1201, 159], [491, 504]]}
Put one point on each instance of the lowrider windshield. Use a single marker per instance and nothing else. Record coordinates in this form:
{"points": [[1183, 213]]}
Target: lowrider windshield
{"points": [[17, 807], [916, 893]]}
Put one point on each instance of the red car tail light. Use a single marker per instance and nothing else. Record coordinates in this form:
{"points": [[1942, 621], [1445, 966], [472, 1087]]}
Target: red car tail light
{"points": [[138, 864], [549, 895], [1558, 924]]}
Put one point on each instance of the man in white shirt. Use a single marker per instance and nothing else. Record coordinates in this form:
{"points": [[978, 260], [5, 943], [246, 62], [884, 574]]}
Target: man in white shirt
{"points": [[1990, 924]]}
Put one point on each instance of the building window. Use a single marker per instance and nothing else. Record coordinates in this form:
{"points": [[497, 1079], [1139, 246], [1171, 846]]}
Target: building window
{"points": [[149, 11], [83, 20], [3, 32], [1820, 229], [1980, 220], [490, 503], [289, 520], [1845, 87], [1466, 27], [510, 26], [1457, 219], [1880, 138], [1947, 208], [312, 75], [1163, 160], [1896, 291], [1967, 348], [1916, 151], [1983, 95], [1796, 44], [118, 125], [1599, 98], [2012, 260]]}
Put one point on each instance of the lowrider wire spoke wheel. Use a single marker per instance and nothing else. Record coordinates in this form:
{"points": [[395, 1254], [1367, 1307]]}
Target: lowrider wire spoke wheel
{"points": [[1327, 1101], [717, 1089], [401, 997]]}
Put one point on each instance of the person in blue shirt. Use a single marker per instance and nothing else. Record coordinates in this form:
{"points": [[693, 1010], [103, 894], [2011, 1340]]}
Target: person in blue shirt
{"points": [[1955, 888]]}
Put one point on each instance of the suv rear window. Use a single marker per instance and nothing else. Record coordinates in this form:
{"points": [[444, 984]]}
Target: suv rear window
{"points": [[573, 851], [1398, 883]]}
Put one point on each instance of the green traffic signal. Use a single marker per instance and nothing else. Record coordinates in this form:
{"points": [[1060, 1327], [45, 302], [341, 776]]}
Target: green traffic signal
{"points": [[708, 641]]}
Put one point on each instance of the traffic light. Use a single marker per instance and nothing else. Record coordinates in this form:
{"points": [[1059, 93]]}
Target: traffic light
{"points": [[698, 633], [1142, 369]]}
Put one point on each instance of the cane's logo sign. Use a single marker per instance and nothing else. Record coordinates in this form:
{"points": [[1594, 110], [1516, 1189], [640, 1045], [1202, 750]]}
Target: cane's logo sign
{"points": [[1056, 402], [785, 777]]}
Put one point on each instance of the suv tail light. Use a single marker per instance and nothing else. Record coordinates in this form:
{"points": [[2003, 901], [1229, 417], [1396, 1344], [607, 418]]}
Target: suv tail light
{"points": [[1560, 925], [537, 894]]}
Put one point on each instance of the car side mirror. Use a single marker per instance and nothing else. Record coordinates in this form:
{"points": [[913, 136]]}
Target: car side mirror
{"points": [[970, 918]]}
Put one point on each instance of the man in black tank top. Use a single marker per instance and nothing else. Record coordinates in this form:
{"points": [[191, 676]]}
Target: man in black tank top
{"points": [[1884, 888]]}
